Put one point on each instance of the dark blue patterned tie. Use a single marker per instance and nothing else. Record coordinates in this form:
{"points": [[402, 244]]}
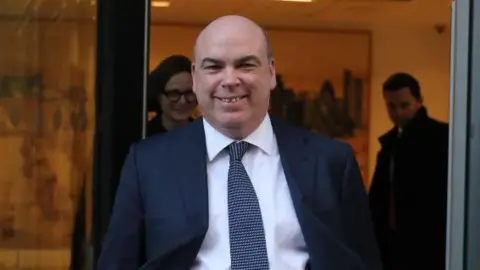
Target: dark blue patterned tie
{"points": [[248, 249]]}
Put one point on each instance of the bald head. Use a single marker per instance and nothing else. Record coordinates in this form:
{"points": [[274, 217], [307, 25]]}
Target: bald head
{"points": [[233, 75], [233, 25]]}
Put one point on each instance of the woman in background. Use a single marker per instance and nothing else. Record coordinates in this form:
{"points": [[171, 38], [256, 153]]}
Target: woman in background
{"points": [[170, 95]]}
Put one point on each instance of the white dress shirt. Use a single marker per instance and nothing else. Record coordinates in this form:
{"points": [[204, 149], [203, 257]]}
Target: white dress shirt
{"points": [[285, 243]]}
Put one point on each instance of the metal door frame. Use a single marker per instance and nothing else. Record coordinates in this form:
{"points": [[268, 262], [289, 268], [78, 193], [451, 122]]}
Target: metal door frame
{"points": [[463, 224]]}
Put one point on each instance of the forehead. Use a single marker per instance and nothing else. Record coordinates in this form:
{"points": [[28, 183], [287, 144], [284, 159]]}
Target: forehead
{"points": [[403, 94], [229, 45], [179, 81]]}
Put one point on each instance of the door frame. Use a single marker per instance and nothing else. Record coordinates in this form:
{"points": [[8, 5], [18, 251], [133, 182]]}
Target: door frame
{"points": [[463, 221], [122, 65]]}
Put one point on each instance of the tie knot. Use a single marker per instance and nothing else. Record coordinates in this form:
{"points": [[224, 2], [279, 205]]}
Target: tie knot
{"points": [[237, 150]]}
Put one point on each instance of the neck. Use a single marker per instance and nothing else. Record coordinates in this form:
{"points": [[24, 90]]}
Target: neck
{"points": [[239, 132], [170, 123], [236, 133]]}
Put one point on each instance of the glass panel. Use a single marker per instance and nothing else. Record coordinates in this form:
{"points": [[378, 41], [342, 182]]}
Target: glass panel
{"points": [[472, 233], [47, 68], [458, 135]]}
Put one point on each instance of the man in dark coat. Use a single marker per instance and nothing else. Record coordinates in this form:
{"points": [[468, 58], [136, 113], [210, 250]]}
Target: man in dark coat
{"points": [[408, 195]]}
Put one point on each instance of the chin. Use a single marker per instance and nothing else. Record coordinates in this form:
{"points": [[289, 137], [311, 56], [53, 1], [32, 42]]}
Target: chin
{"points": [[181, 118], [234, 120]]}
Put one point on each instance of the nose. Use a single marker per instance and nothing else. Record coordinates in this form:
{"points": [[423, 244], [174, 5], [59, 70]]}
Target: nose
{"points": [[182, 99], [403, 112], [397, 110], [230, 78]]}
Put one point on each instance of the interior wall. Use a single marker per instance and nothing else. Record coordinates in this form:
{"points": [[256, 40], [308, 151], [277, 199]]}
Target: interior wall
{"points": [[420, 51]]}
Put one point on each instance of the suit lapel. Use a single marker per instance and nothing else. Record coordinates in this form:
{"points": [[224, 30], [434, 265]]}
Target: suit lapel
{"points": [[187, 171], [298, 161], [192, 177]]}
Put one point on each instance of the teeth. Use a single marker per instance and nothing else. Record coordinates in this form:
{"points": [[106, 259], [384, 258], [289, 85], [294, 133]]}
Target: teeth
{"points": [[230, 100]]}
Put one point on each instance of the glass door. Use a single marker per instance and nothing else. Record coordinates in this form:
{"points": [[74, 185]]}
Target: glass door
{"points": [[472, 229], [463, 237], [72, 99], [47, 124]]}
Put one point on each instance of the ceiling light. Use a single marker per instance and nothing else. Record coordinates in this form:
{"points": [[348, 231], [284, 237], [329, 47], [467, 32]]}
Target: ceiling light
{"points": [[160, 4]]}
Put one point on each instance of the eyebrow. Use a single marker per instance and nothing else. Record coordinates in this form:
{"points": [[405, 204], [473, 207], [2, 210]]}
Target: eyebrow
{"points": [[210, 60], [237, 61], [249, 58]]}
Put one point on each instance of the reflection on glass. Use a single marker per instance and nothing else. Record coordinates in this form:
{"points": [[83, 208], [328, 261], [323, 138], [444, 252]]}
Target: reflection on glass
{"points": [[47, 72]]}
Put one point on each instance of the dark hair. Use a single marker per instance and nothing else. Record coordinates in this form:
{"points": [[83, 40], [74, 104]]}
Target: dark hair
{"points": [[399, 81], [158, 78]]}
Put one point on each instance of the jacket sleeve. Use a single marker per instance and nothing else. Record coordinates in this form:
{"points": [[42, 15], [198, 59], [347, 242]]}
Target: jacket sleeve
{"points": [[356, 217], [122, 244]]}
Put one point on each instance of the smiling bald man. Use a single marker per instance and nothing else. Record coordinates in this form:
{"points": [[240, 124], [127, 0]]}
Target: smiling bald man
{"points": [[237, 189]]}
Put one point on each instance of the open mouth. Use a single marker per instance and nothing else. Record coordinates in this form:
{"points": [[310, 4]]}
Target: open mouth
{"points": [[231, 99]]}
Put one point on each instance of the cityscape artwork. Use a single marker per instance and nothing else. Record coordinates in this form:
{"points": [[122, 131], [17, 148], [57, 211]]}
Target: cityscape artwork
{"points": [[339, 113]]}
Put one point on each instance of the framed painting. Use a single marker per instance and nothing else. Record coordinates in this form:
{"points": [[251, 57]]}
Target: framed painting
{"points": [[323, 84]]}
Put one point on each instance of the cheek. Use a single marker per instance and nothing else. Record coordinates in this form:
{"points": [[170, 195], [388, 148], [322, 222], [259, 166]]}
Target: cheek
{"points": [[165, 104], [207, 92], [202, 97], [392, 111], [209, 81]]}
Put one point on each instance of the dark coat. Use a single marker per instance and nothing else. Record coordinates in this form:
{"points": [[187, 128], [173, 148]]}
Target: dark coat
{"points": [[420, 177]]}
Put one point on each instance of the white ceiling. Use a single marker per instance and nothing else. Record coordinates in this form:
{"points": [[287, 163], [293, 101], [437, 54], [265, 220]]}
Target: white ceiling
{"points": [[319, 14]]}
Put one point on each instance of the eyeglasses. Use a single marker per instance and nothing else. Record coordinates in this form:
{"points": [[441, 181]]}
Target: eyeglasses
{"points": [[175, 95]]}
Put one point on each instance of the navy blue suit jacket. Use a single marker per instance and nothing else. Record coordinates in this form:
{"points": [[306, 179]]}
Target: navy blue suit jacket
{"points": [[161, 206]]}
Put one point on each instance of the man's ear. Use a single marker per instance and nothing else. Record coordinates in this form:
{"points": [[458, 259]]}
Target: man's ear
{"points": [[273, 74], [192, 71]]}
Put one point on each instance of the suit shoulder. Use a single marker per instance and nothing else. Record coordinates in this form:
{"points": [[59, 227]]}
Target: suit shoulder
{"points": [[443, 126], [439, 127], [163, 142], [326, 144], [439, 123], [389, 133]]}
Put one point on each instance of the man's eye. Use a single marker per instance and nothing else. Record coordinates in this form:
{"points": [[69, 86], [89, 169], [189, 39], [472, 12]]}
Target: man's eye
{"points": [[212, 67], [247, 65]]}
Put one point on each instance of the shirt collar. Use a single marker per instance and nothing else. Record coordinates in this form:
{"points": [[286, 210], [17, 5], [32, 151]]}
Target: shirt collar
{"points": [[262, 137]]}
